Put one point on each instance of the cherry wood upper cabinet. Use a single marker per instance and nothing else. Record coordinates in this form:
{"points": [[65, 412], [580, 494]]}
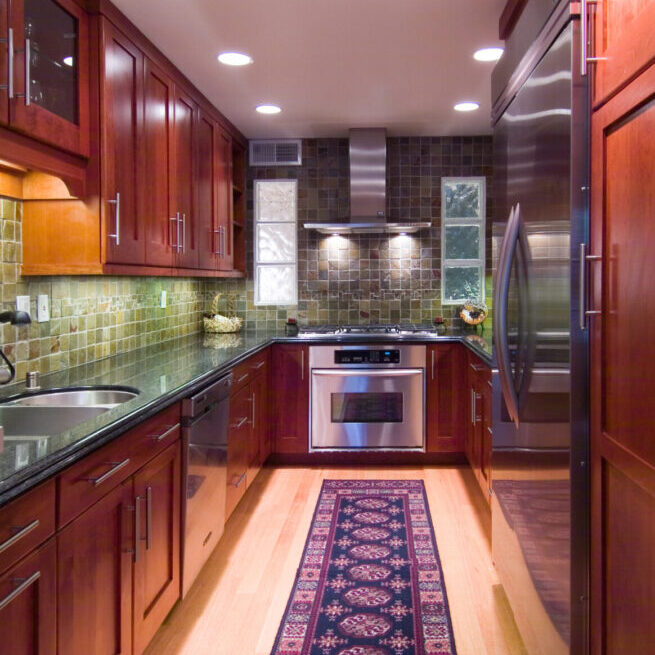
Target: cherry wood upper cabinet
{"points": [[47, 75], [121, 94], [158, 172], [623, 33], [28, 615], [291, 411], [157, 561], [622, 377], [95, 555], [186, 237], [224, 215]]}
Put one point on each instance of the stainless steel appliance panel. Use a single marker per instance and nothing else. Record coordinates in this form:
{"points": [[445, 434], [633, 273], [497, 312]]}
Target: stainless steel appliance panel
{"points": [[205, 434]]}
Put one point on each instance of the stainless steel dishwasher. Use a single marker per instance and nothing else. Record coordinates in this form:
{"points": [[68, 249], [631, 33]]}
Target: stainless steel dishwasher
{"points": [[204, 431]]}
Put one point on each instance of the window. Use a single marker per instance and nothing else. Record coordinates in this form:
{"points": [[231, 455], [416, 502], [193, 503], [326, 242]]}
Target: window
{"points": [[276, 249], [462, 239]]}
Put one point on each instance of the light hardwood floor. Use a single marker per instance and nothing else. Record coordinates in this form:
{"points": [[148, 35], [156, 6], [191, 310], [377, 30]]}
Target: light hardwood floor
{"points": [[237, 602]]}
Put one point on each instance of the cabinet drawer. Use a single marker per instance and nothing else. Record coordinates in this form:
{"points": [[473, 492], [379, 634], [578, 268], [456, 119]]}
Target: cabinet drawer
{"points": [[26, 522], [90, 479], [244, 372], [237, 448]]}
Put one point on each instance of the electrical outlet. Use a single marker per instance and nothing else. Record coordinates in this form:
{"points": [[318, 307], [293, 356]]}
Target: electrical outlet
{"points": [[23, 304], [162, 301], [43, 308]]}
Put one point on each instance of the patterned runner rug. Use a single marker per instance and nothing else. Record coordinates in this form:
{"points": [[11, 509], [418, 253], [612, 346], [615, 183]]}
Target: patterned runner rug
{"points": [[370, 580]]}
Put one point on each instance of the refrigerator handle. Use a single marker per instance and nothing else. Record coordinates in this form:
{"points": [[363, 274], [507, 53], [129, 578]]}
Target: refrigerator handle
{"points": [[507, 250]]}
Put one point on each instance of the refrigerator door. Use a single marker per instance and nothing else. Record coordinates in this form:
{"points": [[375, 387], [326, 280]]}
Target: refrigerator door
{"points": [[531, 502]]}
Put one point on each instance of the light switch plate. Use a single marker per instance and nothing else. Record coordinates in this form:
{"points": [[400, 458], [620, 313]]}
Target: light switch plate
{"points": [[43, 308], [23, 304], [162, 302]]}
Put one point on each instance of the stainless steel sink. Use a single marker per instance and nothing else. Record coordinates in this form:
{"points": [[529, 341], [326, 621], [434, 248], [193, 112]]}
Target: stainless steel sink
{"points": [[18, 421], [98, 397]]}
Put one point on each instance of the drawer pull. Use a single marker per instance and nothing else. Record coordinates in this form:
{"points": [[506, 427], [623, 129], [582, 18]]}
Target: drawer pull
{"points": [[137, 527], [148, 518], [19, 535], [116, 467], [236, 426], [475, 368], [163, 435], [242, 378], [239, 481], [259, 365], [24, 584]]}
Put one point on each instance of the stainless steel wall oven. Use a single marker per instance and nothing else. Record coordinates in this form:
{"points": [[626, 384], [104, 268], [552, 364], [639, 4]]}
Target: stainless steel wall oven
{"points": [[367, 397]]}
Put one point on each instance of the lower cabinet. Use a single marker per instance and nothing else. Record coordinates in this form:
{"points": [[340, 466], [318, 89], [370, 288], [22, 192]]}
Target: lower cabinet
{"points": [[238, 443], [28, 615]]}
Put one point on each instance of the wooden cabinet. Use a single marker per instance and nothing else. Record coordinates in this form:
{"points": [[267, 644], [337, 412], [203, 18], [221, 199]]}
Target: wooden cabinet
{"points": [[50, 41], [28, 615], [261, 417], [157, 559], [121, 98], [445, 398], [623, 33], [291, 411], [478, 434], [622, 378], [238, 446]]}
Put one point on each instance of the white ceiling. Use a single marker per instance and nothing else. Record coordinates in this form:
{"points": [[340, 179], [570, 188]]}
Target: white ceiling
{"points": [[333, 64]]}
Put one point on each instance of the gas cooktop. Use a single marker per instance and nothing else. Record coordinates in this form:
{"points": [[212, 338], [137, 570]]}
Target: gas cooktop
{"points": [[367, 330]]}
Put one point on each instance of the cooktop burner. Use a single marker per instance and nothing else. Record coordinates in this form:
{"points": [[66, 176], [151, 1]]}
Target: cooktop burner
{"points": [[366, 330]]}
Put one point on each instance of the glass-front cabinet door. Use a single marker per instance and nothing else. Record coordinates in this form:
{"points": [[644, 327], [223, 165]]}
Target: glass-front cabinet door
{"points": [[49, 91]]}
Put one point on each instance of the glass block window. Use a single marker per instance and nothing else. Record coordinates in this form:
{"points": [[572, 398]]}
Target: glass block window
{"points": [[276, 248], [462, 239]]}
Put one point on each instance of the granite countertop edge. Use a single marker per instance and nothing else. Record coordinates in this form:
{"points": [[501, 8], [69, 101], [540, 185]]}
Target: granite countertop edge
{"points": [[43, 469]]}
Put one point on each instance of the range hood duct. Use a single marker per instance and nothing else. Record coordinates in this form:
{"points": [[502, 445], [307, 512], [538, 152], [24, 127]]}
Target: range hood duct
{"points": [[368, 188]]}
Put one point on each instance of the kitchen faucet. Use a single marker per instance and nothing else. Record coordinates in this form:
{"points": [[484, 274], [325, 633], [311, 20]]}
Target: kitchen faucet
{"points": [[15, 318]]}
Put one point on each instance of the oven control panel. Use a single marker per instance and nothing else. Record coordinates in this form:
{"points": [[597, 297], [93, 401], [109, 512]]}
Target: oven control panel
{"points": [[391, 356]]}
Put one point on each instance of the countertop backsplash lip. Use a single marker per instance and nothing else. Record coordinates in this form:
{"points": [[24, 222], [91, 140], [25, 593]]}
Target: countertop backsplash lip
{"points": [[164, 373]]}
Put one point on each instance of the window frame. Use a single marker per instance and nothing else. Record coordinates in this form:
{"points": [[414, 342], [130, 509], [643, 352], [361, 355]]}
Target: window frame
{"points": [[257, 264], [479, 222]]}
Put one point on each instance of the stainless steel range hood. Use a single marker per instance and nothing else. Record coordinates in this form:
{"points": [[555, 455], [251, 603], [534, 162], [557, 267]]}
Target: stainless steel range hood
{"points": [[368, 189]]}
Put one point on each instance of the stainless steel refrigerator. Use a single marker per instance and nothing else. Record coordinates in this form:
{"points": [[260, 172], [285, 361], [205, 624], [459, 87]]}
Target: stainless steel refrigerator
{"points": [[539, 379]]}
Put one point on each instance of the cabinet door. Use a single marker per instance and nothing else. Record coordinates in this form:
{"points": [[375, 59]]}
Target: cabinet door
{"points": [[94, 581], [624, 40], [207, 171], [4, 66], [158, 176], [445, 398], [291, 411], [183, 189], [51, 48], [121, 94], [485, 455], [224, 200], [157, 561], [28, 612], [238, 445], [262, 419]]}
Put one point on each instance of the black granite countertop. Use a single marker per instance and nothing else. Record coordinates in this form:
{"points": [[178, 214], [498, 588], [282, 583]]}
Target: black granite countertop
{"points": [[163, 373]]}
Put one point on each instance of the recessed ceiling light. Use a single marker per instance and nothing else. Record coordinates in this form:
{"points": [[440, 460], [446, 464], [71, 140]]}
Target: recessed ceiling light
{"points": [[268, 109], [466, 106], [488, 54], [68, 61], [234, 59]]}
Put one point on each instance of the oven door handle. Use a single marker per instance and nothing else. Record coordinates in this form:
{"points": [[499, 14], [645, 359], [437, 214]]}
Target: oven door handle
{"points": [[368, 372]]}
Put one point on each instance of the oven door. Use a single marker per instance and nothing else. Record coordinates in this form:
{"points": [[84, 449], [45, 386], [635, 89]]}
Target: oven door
{"points": [[367, 409]]}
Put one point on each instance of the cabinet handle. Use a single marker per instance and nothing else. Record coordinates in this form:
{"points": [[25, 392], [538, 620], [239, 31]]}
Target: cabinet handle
{"points": [[236, 426], [584, 36], [259, 365], [474, 367], [173, 221], [472, 407], [163, 435], [117, 466], [10, 63], [253, 410], [214, 233], [302, 364], [137, 527], [24, 584], [432, 378], [22, 532], [28, 72], [476, 418], [148, 517], [183, 232], [242, 378], [583, 311], [239, 481], [117, 233]]}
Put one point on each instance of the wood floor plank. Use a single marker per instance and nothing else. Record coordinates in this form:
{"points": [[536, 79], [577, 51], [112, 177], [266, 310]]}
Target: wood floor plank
{"points": [[237, 603]]}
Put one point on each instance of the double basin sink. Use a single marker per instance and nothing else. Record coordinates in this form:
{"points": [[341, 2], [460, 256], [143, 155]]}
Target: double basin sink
{"points": [[46, 413]]}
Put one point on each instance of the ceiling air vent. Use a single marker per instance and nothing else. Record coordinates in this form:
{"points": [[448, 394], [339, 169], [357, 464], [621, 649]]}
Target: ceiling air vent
{"points": [[278, 152]]}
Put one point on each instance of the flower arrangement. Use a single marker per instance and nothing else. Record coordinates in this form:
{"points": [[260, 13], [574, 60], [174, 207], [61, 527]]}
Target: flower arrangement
{"points": [[474, 312], [217, 323]]}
